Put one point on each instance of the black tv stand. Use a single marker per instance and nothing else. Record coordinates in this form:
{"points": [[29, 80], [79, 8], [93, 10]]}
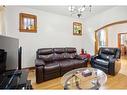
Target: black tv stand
{"points": [[12, 72], [18, 72], [16, 80]]}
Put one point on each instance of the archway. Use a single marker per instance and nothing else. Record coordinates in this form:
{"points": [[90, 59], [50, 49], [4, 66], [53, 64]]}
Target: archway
{"points": [[104, 27]]}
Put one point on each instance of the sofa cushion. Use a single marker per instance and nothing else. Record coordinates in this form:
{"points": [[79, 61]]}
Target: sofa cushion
{"points": [[51, 67], [46, 58], [78, 63], [45, 51], [72, 63], [39, 62], [70, 50], [59, 50], [102, 62], [106, 57], [58, 56], [70, 55], [66, 65], [110, 51], [101, 68]]}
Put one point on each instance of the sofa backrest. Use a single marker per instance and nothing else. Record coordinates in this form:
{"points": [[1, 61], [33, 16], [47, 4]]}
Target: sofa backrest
{"points": [[107, 53], [70, 53], [45, 53], [53, 54], [59, 53]]}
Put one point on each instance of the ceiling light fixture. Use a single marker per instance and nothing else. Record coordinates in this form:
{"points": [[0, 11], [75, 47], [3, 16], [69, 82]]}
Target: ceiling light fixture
{"points": [[79, 10]]}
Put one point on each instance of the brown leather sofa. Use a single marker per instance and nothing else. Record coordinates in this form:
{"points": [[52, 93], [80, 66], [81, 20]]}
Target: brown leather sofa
{"points": [[54, 62]]}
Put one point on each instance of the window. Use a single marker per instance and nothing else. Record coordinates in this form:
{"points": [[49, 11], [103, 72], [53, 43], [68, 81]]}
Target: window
{"points": [[101, 39]]}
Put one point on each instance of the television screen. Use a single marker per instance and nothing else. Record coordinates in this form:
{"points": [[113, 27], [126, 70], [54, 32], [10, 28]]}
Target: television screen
{"points": [[10, 45]]}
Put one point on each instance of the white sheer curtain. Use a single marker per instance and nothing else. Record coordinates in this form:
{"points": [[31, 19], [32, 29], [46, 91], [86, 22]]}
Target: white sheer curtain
{"points": [[2, 21], [102, 38]]}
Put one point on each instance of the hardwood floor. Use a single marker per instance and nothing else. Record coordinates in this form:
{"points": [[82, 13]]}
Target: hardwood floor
{"points": [[118, 81]]}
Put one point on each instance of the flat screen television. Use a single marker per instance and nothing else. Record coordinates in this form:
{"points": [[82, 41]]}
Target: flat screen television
{"points": [[11, 46]]}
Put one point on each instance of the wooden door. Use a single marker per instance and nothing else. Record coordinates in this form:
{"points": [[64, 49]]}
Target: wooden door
{"points": [[121, 45], [119, 40]]}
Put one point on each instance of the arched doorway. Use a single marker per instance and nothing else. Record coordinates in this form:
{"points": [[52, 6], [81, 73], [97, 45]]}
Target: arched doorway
{"points": [[103, 41]]}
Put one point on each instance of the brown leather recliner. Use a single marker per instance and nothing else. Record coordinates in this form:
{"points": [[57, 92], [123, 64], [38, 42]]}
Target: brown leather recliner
{"points": [[54, 62]]}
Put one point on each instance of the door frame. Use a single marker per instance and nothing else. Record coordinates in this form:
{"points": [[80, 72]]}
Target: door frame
{"points": [[119, 39]]}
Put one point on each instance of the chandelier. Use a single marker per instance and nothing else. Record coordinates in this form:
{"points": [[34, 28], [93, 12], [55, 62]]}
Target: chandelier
{"points": [[79, 10]]}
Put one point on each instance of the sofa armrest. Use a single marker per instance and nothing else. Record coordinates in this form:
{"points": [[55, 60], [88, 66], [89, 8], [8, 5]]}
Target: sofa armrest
{"points": [[112, 60], [114, 66], [39, 62], [117, 66], [94, 56], [93, 59], [39, 74]]}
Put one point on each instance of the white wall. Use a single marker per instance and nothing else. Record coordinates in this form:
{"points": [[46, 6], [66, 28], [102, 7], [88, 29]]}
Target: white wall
{"points": [[99, 20], [53, 31], [56, 30]]}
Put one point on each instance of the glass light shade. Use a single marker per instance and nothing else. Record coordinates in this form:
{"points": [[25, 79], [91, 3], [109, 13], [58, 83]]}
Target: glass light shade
{"points": [[78, 10], [82, 8], [71, 8]]}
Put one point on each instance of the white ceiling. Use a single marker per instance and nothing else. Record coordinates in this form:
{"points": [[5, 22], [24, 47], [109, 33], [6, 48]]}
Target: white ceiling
{"points": [[63, 10]]}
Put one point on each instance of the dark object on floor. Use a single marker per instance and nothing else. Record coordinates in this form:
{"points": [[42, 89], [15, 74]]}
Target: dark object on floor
{"points": [[54, 62], [107, 60], [16, 79], [3, 57]]}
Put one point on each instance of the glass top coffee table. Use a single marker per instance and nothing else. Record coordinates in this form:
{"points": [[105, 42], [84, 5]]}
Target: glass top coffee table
{"points": [[84, 78]]}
